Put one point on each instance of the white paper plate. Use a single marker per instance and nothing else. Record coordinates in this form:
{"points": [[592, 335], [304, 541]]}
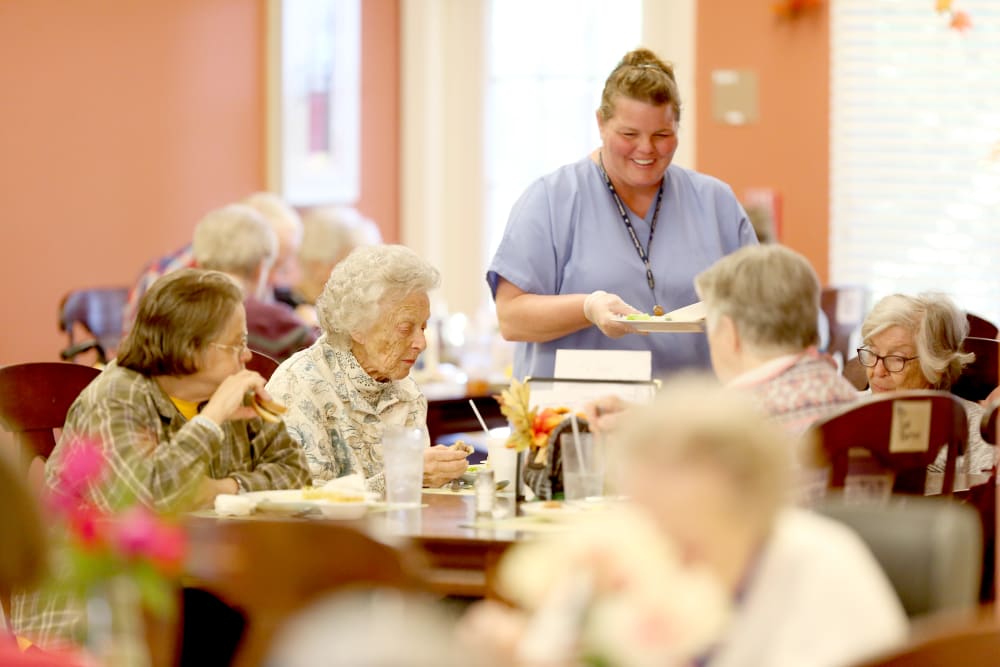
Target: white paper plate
{"points": [[292, 501]]}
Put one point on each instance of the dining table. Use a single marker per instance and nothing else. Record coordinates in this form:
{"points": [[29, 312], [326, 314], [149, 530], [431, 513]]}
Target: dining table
{"points": [[442, 546]]}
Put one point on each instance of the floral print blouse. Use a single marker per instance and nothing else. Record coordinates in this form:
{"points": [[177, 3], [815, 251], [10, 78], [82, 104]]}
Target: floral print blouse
{"points": [[337, 412]]}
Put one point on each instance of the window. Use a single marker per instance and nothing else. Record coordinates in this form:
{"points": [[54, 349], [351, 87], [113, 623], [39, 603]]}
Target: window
{"points": [[547, 61], [915, 150]]}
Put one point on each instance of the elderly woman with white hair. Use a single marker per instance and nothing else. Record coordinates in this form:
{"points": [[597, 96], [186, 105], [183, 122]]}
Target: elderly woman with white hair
{"points": [[807, 590], [344, 390], [238, 241], [714, 476], [915, 342]]}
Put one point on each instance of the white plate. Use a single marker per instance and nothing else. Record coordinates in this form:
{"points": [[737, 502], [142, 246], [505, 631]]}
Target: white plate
{"points": [[550, 509], [659, 325], [689, 319], [292, 501]]}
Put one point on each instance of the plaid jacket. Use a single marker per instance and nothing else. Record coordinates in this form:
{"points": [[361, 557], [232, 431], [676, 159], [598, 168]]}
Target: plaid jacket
{"points": [[158, 457]]}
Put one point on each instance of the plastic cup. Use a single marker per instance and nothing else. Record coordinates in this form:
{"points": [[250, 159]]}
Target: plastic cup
{"points": [[583, 466], [403, 457], [502, 460]]}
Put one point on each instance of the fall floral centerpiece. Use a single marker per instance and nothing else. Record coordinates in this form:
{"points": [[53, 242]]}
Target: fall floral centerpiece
{"points": [[530, 427]]}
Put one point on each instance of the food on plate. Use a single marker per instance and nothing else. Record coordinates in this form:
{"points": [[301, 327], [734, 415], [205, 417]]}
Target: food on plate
{"points": [[268, 410], [636, 317], [333, 495], [658, 310]]}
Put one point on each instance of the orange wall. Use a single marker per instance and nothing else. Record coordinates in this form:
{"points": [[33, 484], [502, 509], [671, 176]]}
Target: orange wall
{"points": [[121, 123], [788, 149]]}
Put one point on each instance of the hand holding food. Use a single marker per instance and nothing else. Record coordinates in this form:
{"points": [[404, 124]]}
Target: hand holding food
{"points": [[228, 400], [604, 309], [266, 409], [443, 464]]}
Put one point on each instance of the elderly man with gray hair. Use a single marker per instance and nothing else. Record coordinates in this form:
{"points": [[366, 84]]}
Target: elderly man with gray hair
{"points": [[354, 381], [238, 241]]}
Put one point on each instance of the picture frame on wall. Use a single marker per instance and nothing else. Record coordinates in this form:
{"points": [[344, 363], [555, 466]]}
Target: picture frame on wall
{"points": [[314, 100]]}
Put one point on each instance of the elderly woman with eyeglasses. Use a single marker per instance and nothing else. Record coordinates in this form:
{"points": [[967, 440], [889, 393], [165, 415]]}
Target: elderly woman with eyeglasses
{"points": [[344, 390], [170, 418], [915, 342]]}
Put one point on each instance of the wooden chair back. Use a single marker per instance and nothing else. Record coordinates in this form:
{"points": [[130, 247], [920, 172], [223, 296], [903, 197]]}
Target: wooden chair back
{"points": [[967, 643], [980, 327], [262, 363], [982, 376], [903, 433], [34, 400], [855, 373], [99, 312], [845, 307], [271, 568]]}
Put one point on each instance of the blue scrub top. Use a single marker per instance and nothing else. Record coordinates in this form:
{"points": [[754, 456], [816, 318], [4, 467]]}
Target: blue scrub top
{"points": [[566, 236]]}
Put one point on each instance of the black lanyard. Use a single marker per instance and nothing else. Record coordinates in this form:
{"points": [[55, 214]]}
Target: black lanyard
{"points": [[643, 253]]}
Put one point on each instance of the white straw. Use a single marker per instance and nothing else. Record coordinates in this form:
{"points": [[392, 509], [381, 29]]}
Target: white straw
{"points": [[576, 440], [482, 422]]}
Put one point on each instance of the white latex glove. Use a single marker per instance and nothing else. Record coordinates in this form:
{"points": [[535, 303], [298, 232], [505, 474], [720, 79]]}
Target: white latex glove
{"points": [[602, 308]]}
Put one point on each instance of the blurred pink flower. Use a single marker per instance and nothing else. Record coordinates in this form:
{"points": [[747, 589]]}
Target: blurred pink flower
{"points": [[86, 525], [83, 465], [140, 533]]}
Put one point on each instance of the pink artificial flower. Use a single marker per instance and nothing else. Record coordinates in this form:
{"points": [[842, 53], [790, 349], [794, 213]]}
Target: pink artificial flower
{"points": [[86, 524], [139, 533], [82, 465]]}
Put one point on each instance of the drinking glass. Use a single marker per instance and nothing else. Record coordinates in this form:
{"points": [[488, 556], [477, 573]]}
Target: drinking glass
{"points": [[403, 457], [583, 466]]}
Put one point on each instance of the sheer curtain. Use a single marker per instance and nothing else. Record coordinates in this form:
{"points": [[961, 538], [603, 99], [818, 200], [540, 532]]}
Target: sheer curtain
{"points": [[915, 150]]}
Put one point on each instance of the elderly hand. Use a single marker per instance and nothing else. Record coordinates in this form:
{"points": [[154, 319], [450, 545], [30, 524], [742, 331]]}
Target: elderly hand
{"points": [[602, 308], [227, 401], [604, 413], [443, 464]]}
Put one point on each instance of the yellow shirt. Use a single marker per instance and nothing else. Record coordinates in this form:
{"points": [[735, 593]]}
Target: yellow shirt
{"points": [[186, 408]]}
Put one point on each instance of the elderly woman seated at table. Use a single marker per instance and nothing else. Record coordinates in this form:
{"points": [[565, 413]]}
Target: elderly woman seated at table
{"points": [[714, 475], [238, 241], [170, 418], [762, 305], [915, 342], [345, 389], [329, 234]]}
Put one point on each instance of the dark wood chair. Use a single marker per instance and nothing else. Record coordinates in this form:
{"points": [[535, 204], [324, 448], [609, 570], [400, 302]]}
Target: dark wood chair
{"points": [[99, 312], [447, 416], [855, 373], [982, 376], [845, 307], [964, 644], [980, 327], [902, 432], [271, 568], [34, 400], [262, 363]]}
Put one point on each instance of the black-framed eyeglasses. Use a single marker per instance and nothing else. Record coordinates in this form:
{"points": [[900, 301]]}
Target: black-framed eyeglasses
{"points": [[894, 363]]}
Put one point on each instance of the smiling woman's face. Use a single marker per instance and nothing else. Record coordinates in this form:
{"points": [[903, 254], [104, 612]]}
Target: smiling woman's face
{"points": [[389, 350]]}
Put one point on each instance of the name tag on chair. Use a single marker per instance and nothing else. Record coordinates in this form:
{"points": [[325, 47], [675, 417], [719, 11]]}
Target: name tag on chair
{"points": [[911, 426]]}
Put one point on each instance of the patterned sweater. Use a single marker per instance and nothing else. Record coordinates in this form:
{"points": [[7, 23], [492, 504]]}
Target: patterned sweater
{"points": [[337, 412]]}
